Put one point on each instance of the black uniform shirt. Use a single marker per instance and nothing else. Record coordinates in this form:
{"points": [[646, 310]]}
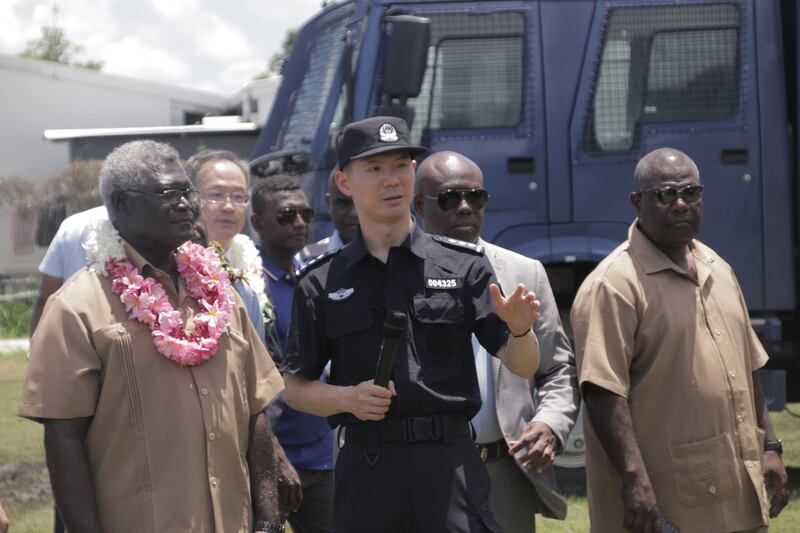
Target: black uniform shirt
{"points": [[441, 284]]}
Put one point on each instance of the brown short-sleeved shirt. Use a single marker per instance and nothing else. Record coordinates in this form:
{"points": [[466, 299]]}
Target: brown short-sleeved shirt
{"points": [[682, 352], [166, 445]]}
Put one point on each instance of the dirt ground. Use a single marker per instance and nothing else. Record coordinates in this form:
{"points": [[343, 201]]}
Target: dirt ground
{"points": [[24, 485]]}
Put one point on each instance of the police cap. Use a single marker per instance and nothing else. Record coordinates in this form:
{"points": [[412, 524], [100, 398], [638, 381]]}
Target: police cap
{"points": [[373, 136]]}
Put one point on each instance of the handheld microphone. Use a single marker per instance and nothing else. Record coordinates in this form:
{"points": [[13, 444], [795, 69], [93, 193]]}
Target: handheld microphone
{"points": [[393, 328]]}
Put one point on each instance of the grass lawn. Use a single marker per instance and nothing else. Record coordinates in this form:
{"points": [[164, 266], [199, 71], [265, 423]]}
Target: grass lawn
{"points": [[25, 493]]}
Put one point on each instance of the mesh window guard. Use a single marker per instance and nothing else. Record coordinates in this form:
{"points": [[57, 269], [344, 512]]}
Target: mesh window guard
{"points": [[474, 77], [665, 63], [311, 97]]}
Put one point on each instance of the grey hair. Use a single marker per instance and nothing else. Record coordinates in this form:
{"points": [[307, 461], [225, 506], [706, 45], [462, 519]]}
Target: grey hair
{"points": [[133, 165], [196, 162], [662, 162]]}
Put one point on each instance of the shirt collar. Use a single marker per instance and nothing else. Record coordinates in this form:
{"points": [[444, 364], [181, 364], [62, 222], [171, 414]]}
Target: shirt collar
{"points": [[147, 270], [274, 272], [414, 242], [653, 260], [334, 241]]}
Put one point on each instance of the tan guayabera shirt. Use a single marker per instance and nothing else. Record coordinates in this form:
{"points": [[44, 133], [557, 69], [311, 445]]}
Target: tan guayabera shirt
{"points": [[167, 445], [682, 352]]}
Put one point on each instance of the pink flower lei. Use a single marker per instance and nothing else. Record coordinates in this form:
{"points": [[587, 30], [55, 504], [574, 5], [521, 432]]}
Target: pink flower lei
{"points": [[146, 301]]}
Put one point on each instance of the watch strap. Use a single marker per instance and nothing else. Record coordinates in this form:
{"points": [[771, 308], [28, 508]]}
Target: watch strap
{"points": [[774, 446], [269, 527]]}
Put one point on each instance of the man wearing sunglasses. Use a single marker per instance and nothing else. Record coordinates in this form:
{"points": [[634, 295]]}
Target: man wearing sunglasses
{"points": [[677, 425], [282, 217], [522, 423], [408, 462]]}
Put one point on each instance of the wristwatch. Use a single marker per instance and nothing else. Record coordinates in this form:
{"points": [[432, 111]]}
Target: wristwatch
{"points": [[774, 446], [268, 527]]}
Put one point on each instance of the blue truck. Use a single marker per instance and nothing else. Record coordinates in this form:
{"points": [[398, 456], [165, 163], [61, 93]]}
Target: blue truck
{"points": [[556, 100]]}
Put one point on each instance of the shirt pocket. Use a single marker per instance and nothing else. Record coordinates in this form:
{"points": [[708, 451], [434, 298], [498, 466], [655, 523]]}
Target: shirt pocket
{"points": [[353, 341], [116, 341], [439, 327], [703, 470], [343, 321]]}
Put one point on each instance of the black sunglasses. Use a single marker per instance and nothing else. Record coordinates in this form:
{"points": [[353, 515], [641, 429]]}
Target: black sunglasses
{"points": [[450, 198], [669, 195], [172, 196], [288, 216]]}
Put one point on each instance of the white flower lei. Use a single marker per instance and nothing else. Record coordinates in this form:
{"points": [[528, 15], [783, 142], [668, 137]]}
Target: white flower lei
{"points": [[102, 244], [244, 257]]}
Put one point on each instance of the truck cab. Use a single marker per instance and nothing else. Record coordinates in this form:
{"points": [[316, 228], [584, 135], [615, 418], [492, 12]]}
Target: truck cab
{"points": [[557, 100]]}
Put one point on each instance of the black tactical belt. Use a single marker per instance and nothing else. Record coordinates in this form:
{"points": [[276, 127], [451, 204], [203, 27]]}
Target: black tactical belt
{"points": [[493, 450], [410, 429]]}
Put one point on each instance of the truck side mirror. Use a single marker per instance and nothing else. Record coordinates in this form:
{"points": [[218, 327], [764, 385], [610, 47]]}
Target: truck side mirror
{"points": [[406, 55]]}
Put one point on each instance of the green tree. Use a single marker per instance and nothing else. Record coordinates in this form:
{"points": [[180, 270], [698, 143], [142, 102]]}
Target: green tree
{"points": [[53, 45], [286, 49], [278, 57]]}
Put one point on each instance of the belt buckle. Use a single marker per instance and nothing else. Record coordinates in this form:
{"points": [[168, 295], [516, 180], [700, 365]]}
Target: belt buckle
{"points": [[484, 451]]}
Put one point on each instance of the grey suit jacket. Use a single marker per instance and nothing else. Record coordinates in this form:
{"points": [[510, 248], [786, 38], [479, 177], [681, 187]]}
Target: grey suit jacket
{"points": [[551, 396]]}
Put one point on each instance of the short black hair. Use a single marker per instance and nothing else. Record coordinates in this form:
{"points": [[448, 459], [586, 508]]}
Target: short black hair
{"points": [[266, 185], [196, 162]]}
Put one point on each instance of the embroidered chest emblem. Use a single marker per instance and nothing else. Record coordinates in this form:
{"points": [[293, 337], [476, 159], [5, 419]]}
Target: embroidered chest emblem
{"points": [[388, 133], [443, 283], [341, 295]]}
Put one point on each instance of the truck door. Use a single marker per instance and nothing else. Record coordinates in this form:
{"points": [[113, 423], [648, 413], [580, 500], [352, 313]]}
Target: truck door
{"points": [[482, 97], [679, 74]]}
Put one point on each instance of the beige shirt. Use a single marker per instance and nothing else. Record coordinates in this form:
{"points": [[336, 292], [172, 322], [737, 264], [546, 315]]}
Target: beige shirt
{"points": [[166, 445], [682, 352]]}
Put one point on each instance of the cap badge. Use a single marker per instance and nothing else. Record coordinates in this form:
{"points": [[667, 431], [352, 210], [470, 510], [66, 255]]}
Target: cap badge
{"points": [[388, 133]]}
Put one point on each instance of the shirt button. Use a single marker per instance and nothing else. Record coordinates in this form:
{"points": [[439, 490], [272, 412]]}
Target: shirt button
{"points": [[120, 330], [732, 374], [739, 418], [712, 489], [191, 385], [204, 391], [211, 436], [213, 481], [717, 332]]}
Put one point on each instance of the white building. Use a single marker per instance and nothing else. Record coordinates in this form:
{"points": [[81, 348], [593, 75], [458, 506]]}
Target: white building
{"points": [[41, 95], [95, 111]]}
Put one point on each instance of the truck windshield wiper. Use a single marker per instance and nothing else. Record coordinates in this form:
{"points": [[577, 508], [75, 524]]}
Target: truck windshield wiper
{"points": [[283, 162]]}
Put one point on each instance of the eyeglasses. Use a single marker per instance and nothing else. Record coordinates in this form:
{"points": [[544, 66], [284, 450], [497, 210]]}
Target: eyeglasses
{"points": [[172, 196], [288, 216], [451, 198], [669, 195], [219, 197]]}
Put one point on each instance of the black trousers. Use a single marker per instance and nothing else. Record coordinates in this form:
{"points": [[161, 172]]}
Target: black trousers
{"points": [[316, 511], [431, 486]]}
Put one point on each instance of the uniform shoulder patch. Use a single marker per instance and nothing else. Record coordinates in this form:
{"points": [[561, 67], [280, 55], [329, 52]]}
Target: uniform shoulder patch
{"points": [[459, 245], [314, 263]]}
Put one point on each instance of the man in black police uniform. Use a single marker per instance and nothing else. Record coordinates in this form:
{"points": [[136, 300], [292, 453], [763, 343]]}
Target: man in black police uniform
{"points": [[409, 462]]}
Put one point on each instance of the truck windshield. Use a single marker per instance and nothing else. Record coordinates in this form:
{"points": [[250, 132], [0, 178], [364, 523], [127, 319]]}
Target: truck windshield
{"points": [[309, 101]]}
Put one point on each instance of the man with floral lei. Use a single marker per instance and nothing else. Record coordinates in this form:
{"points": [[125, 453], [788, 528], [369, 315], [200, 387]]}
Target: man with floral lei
{"points": [[147, 374]]}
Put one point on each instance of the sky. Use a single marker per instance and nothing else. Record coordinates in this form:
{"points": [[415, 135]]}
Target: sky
{"points": [[216, 45]]}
